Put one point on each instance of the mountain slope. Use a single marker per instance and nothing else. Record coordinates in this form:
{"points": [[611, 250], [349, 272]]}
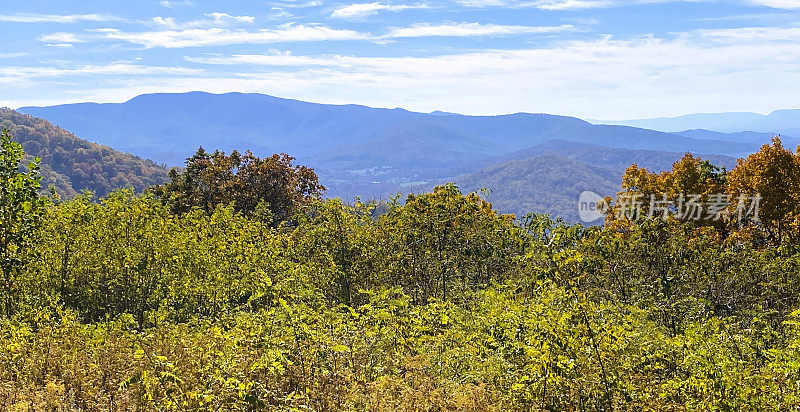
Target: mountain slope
{"points": [[72, 165], [547, 183]]}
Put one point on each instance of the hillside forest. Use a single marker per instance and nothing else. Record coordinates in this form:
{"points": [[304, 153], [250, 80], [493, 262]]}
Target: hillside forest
{"points": [[236, 286], [71, 165]]}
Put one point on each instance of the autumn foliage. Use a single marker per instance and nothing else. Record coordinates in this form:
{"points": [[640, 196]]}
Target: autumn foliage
{"points": [[242, 180], [197, 296], [771, 174]]}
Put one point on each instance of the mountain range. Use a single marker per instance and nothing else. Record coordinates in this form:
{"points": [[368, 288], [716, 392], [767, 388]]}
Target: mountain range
{"points": [[529, 162]]}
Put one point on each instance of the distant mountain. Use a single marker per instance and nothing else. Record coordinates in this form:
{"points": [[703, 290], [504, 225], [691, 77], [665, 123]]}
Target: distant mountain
{"points": [[549, 178], [356, 150], [749, 137], [778, 122], [72, 165]]}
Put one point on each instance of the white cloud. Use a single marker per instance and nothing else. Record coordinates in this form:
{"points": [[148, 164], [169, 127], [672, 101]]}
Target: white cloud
{"points": [[220, 36], [216, 36], [482, 3], [225, 17], [23, 78], [541, 4], [778, 4], [60, 38], [212, 20], [571, 4], [280, 14], [56, 18], [293, 4], [106, 69], [753, 34], [361, 10], [174, 4], [471, 29]]}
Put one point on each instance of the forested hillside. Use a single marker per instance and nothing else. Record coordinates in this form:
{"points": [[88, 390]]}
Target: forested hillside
{"points": [[545, 183], [180, 299], [72, 165]]}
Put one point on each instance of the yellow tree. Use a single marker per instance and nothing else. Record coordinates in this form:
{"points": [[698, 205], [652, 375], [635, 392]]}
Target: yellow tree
{"points": [[690, 180], [773, 173]]}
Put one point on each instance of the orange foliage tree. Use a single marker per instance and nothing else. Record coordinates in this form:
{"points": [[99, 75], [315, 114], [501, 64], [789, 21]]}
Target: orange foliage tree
{"points": [[773, 173]]}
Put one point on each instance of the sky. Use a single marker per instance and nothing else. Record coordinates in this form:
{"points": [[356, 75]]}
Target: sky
{"points": [[596, 59]]}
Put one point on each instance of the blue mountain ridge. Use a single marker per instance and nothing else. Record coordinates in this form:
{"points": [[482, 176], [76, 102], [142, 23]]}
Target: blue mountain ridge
{"points": [[356, 150]]}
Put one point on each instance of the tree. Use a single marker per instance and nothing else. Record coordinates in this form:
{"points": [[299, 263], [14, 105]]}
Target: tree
{"points": [[444, 244], [685, 192], [245, 180], [774, 174], [21, 211]]}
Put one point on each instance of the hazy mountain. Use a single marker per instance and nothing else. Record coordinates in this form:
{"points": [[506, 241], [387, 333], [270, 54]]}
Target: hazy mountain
{"points": [[749, 137], [72, 165], [356, 150], [778, 122]]}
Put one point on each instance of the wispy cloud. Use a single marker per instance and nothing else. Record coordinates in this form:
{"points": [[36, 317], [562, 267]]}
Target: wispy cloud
{"points": [[778, 4], [542, 4], [296, 4], [212, 20], [60, 39], [57, 18], [571, 4], [744, 35], [566, 5], [22, 72], [181, 37], [472, 30], [173, 4], [361, 10], [221, 36]]}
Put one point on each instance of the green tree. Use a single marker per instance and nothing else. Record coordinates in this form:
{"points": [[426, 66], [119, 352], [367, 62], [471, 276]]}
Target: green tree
{"points": [[444, 244], [21, 211], [245, 180]]}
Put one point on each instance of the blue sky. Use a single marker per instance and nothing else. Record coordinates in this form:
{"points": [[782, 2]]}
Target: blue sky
{"points": [[601, 59]]}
